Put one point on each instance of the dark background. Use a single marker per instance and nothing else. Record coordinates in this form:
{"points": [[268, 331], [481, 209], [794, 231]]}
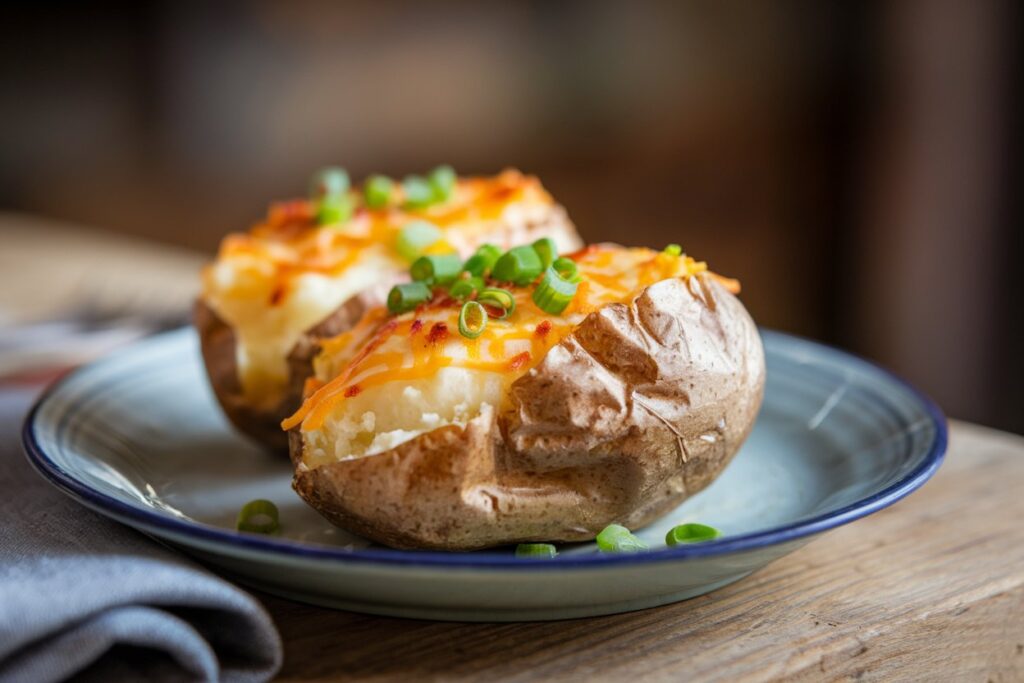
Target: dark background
{"points": [[849, 162]]}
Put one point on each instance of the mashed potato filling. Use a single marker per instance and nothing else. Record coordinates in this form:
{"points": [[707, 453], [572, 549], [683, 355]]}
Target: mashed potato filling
{"points": [[381, 418], [239, 290]]}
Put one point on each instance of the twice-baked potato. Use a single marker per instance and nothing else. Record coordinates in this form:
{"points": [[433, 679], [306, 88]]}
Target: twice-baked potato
{"points": [[315, 266], [605, 388]]}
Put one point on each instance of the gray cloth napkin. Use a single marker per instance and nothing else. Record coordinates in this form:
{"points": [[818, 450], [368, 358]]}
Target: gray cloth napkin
{"points": [[84, 596]]}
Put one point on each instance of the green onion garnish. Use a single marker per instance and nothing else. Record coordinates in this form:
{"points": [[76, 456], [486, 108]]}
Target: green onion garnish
{"points": [[466, 288], [415, 237], [442, 180], [520, 265], [472, 320], [377, 191], [537, 550], [419, 193], [691, 533], [567, 268], [333, 209], [407, 296], [547, 250], [481, 262], [553, 293], [441, 269], [615, 538], [497, 297], [258, 516], [329, 182], [673, 250]]}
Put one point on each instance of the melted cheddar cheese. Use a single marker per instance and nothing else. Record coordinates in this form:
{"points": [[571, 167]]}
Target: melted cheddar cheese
{"points": [[288, 273], [370, 384]]}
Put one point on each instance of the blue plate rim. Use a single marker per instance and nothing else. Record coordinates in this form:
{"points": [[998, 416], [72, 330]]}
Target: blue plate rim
{"points": [[149, 519]]}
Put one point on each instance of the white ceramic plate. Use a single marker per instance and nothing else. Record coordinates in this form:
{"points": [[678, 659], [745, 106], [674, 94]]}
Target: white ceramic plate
{"points": [[138, 437]]}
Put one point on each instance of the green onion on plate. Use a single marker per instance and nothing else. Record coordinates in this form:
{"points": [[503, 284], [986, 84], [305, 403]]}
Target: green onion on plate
{"points": [[691, 533], [616, 538], [258, 516], [377, 191], [482, 260], [537, 550]]}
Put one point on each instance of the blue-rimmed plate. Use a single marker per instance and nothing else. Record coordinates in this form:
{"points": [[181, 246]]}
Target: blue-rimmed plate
{"points": [[138, 437]]}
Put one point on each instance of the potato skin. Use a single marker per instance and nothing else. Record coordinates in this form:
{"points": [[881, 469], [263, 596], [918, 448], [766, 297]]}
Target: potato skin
{"points": [[218, 344], [640, 407]]}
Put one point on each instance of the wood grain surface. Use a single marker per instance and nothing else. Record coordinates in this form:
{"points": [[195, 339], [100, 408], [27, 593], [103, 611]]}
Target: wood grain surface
{"points": [[931, 589]]}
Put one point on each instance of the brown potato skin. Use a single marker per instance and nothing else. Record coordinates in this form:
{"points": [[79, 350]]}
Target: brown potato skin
{"points": [[217, 342], [642, 406]]}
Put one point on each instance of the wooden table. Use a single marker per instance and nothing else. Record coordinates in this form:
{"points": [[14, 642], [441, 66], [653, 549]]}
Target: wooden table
{"points": [[930, 589]]}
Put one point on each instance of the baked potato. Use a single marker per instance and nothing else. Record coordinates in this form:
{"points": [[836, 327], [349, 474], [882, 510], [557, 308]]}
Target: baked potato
{"points": [[313, 267], [606, 389]]}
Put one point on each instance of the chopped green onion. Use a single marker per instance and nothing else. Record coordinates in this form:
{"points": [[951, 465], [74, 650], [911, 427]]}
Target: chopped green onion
{"points": [[553, 294], [442, 180], [419, 193], [520, 265], [567, 268], [536, 550], [615, 538], [329, 182], [465, 288], [258, 516], [407, 296], [547, 250], [333, 209], [441, 269], [482, 260], [673, 250], [472, 320], [377, 191], [415, 237], [691, 533], [496, 297]]}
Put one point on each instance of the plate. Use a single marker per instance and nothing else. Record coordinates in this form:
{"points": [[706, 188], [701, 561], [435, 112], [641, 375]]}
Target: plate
{"points": [[138, 437]]}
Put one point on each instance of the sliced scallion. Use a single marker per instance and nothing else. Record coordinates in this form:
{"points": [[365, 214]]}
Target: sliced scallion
{"points": [[258, 516], [329, 182], [472, 320], [442, 180], [554, 294], [419, 193], [691, 533], [481, 262], [567, 268], [441, 269], [547, 250], [466, 288], [520, 265], [536, 550], [333, 209], [407, 296], [496, 297], [673, 250], [616, 538], [377, 191], [415, 237]]}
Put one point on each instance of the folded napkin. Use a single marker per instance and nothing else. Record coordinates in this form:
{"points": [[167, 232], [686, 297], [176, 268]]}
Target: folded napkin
{"points": [[83, 596]]}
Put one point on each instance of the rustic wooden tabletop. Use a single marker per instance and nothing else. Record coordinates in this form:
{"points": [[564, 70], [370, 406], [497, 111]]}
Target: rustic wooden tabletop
{"points": [[931, 589]]}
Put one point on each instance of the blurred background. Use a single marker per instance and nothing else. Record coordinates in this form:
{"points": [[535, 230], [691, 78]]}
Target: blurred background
{"points": [[849, 162]]}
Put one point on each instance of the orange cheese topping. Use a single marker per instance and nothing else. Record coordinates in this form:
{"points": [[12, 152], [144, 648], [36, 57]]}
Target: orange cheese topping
{"points": [[290, 243], [384, 349]]}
